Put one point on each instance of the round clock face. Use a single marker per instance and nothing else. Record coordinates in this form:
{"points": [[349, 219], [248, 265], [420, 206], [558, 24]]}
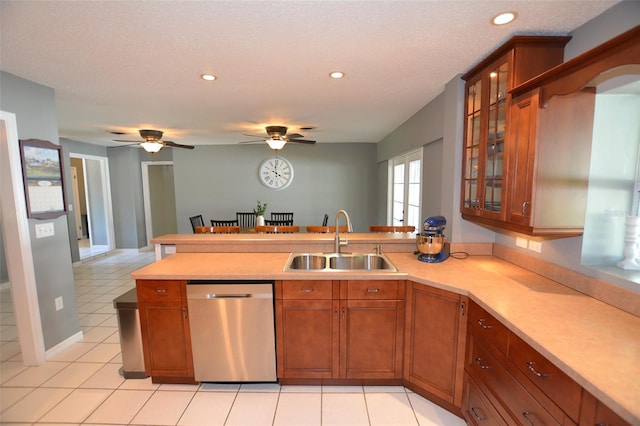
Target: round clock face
{"points": [[276, 173]]}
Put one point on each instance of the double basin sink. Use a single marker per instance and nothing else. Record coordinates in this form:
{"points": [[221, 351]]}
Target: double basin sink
{"points": [[319, 262]]}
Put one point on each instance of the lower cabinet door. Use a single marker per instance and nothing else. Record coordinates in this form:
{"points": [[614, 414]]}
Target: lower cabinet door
{"points": [[435, 343], [307, 339], [166, 337], [371, 339]]}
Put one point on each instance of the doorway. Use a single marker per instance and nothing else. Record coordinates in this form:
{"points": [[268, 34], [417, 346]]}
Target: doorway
{"points": [[158, 191], [95, 229]]}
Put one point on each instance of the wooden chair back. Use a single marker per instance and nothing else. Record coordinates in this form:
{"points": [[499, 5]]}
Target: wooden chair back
{"points": [[216, 222], [383, 228], [217, 230], [316, 229], [246, 220], [283, 218], [277, 229], [196, 221]]}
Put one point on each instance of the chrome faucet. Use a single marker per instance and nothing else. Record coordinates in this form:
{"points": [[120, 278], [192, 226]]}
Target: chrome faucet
{"points": [[349, 228]]}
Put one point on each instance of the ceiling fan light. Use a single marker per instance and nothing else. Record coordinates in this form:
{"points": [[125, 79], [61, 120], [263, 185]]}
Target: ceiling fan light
{"points": [[276, 144], [151, 147]]}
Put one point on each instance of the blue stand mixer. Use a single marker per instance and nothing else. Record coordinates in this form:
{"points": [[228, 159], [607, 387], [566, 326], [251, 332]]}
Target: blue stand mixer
{"points": [[431, 241]]}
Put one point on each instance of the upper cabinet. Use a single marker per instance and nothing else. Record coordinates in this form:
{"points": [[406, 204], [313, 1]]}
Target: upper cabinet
{"points": [[528, 131], [488, 102]]}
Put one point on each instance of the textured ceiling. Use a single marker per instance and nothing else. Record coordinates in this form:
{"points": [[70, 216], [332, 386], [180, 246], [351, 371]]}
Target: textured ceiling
{"points": [[126, 65]]}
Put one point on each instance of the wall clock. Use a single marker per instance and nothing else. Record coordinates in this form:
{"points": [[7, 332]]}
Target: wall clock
{"points": [[276, 173]]}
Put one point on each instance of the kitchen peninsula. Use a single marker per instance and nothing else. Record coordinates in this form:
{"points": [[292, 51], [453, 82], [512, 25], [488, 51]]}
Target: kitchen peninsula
{"points": [[594, 344]]}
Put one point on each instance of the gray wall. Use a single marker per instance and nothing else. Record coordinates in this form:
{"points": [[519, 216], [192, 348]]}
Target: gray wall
{"points": [[35, 110], [163, 200], [218, 181]]}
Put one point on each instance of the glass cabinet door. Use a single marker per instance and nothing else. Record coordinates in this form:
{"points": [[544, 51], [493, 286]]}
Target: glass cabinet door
{"points": [[472, 146], [494, 153]]}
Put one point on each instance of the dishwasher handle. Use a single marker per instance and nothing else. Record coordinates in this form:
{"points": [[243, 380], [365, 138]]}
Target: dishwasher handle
{"points": [[227, 296]]}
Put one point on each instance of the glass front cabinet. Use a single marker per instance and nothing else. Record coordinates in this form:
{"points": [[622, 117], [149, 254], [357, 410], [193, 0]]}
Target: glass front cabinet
{"points": [[485, 166]]}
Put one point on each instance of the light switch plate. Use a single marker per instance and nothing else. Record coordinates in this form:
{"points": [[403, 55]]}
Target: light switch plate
{"points": [[44, 230]]}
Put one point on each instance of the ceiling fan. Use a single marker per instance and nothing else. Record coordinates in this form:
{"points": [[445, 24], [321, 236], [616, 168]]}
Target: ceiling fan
{"points": [[277, 137], [153, 141]]}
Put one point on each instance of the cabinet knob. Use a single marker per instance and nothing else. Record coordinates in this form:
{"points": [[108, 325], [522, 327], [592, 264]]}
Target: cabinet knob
{"points": [[306, 290], [524, 208], [373, 290], [161, 290]]}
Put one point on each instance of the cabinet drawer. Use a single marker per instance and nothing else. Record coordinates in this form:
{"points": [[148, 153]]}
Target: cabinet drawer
{"points": [[156, 290], [373, 289], [307, 289], [477, 409], [488, 328], [506, 392], [554, 383]]}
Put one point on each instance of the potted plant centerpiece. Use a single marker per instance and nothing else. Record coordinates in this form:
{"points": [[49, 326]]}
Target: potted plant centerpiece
{"points": [[259, 212]]}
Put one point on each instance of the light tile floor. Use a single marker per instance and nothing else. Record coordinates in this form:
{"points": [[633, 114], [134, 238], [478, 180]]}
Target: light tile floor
{"points": [[83, 385]]}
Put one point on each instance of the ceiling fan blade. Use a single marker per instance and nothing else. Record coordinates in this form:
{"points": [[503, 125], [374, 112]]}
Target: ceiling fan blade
{"points": [[295, 136], [122, 140], [177, 145], [255, 136], [252, 141], [302, 141]]}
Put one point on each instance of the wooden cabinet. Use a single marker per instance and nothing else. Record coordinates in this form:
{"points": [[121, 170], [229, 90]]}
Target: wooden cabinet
{"points": [[549, 157], [166, 339], [435, 343], [340, 329], [506, 380], [485, 178]]}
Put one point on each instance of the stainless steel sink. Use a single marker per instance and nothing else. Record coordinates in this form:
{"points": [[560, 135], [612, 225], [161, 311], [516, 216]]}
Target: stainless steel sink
{"points": [[307, 262], [321, 262]]}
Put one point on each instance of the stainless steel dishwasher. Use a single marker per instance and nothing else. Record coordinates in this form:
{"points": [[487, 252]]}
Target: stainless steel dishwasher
{"points": [[232, 330]]}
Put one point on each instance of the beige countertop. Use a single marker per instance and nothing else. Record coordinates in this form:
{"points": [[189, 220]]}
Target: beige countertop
{"points": [[592, 342]]}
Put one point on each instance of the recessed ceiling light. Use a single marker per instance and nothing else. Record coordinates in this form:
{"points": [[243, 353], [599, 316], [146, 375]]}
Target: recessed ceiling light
{"points": [[504, 18], [208, 77], [336, 74]]}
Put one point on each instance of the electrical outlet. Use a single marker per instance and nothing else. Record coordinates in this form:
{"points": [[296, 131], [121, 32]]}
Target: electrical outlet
{"points": [[521, 242], [535, 246], [170, 249], [59, 303]]}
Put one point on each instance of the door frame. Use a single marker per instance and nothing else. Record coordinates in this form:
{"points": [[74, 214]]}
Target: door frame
{"points": [[13, 213], [106, 195], [406, 159], [146, 195]]}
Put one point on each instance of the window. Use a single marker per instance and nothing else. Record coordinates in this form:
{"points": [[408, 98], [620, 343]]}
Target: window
{"points": [[405, 177]]}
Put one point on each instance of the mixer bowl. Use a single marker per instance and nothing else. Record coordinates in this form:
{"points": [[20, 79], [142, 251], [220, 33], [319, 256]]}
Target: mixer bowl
{"points": [[429, 244]]}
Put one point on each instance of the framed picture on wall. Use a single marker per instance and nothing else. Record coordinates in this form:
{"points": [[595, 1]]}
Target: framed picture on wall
{"points": [[43, 175]]}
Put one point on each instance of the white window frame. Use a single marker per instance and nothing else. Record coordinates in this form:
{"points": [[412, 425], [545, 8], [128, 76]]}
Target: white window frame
{"points": [[405, 160]]}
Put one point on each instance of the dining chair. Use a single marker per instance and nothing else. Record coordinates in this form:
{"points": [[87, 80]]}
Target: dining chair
{"points": [[217, 229], [233, 222], [384, 228], [325, 219], [316, 229], [196, 221], [246, 220], [282, 218], [277, 229]]}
